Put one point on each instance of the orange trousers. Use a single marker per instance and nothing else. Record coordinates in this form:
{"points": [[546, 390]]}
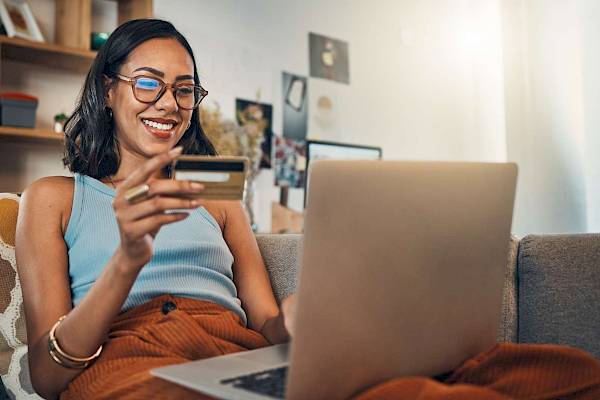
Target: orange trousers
{"points": [[170, 330]]}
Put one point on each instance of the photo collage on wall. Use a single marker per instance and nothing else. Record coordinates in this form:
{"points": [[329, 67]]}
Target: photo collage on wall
{"points": [[329, 61], [290, 159]]}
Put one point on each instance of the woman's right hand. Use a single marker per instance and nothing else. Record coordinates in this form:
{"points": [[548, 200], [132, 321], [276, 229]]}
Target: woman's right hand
{"points": [[140, 222], [288, 309]]}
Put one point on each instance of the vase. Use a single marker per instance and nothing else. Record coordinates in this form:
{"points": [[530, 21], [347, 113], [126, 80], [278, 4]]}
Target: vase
{"points": [[249, 202]]}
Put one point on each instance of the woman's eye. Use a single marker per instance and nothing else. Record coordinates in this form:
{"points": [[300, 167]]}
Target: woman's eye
{"points": [[147, 84], [185, 90]]}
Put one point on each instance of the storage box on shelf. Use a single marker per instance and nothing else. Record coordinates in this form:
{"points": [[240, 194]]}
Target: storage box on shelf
{"points": [[17, 109]]}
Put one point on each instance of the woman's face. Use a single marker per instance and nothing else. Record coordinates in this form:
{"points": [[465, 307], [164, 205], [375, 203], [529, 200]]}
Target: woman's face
{"points": [[144, 130]]}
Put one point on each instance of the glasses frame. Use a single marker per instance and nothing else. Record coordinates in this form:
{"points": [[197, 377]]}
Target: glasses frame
{"points": [[132, 81]]}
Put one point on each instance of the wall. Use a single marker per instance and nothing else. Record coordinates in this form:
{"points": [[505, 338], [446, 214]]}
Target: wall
{"points": [[545, 114], [429, 80], [590, 14], [426, 76]]}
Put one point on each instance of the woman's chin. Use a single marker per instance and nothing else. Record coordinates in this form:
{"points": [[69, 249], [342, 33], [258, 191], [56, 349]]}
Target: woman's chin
{"points": [[151, 147]]}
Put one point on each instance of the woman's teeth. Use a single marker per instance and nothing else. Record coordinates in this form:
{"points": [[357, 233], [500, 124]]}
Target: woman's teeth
{"points": [[157, 125]]}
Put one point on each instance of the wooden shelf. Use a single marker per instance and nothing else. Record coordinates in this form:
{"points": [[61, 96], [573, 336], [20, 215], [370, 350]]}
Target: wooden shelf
{"points": [[14, 134], [46, 54]]}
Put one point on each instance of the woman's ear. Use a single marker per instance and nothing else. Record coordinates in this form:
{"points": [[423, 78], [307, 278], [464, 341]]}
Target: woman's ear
{"points": [[108, 91]]}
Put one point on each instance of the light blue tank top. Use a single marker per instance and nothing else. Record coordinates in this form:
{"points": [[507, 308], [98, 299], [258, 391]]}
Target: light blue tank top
{"points": [[191, 258]]}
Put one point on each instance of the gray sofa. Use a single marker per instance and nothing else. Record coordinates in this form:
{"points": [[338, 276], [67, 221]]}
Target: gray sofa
{"points": [[551, 290], [551, 293]]}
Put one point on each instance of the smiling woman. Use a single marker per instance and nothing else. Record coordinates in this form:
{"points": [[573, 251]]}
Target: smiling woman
{"points": [[100, 122], [122, 269]]}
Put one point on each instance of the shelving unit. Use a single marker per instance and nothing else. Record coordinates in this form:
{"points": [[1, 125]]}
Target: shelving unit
{"points": [[70, 52], [48, 55]]}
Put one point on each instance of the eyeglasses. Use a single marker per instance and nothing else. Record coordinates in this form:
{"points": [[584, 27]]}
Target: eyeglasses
{"points": [[147, 89]]}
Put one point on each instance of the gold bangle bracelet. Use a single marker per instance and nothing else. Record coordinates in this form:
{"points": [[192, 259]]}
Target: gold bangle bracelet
{"points": [[56, 357], [54, 347]]}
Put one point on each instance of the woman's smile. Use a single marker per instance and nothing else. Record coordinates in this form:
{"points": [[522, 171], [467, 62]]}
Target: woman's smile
{"points": [[160, 127]]}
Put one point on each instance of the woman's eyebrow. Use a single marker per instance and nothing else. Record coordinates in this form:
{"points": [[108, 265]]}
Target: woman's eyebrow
{"points": [[152, 70], [181, 77], [162, 74]]}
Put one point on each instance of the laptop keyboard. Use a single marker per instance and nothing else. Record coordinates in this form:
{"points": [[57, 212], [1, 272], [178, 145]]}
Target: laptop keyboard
{"points": [[269, 383]]}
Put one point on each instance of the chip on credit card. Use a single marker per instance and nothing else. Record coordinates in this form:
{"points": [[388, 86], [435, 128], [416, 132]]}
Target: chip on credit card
{"points": [[223, 177]]}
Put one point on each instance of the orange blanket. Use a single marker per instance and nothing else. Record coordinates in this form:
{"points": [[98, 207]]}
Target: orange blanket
{"points": [[508, 371], [171, 330]]}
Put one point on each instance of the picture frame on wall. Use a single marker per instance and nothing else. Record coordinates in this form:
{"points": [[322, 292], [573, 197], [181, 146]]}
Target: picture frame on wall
{"points": [[329, 58], [261, 116], [295, 106], [18, 20]]}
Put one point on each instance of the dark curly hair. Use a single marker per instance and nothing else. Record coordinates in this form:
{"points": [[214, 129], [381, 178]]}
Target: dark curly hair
{"points": [[90, 141]]}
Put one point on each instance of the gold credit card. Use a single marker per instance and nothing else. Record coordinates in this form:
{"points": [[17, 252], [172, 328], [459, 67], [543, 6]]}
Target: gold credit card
{"points": [[223, 177]]}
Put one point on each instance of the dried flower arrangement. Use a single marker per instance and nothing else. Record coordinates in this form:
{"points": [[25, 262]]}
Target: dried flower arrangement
{"points": [[231, 139]]}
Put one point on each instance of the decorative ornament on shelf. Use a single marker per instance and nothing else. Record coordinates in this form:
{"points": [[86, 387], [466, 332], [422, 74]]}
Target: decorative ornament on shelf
{"points": [[231, 139], [97, 40], [59, 122]]}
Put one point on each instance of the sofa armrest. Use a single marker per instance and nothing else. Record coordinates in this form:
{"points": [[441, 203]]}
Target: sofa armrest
{"points": [[281, 254], [559, 290]]}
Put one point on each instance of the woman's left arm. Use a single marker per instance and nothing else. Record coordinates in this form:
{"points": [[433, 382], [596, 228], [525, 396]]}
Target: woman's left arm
{"points": [[250, 274]]}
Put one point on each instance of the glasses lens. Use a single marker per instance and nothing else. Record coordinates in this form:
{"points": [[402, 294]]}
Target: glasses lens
{"points": [[147, 89], [188, 96]]}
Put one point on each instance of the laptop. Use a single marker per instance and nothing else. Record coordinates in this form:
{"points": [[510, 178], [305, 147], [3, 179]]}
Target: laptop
{"points": [[402, 274]]}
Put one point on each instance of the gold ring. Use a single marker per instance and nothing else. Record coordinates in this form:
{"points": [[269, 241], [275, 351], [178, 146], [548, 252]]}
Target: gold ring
{"points": [[137, 193]]}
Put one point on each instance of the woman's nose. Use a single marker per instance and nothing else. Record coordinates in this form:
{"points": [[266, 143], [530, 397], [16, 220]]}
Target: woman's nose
{"points": [[167, 101]]}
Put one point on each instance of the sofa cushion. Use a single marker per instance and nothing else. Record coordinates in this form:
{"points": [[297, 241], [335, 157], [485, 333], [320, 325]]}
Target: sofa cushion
{"points": [[559, 290], [281, 254], [13, 348]]}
